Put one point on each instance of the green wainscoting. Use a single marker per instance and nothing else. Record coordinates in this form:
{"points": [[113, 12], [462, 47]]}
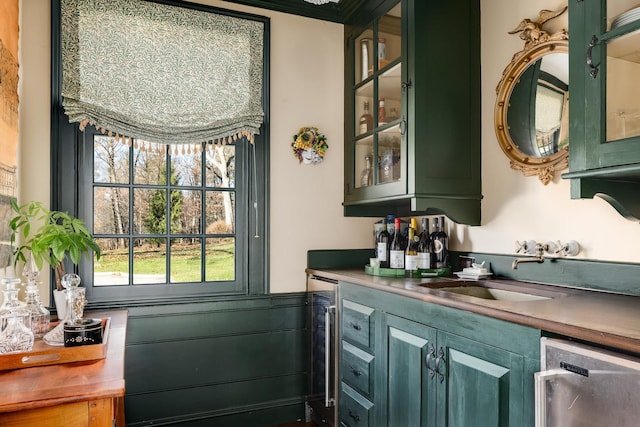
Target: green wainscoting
{"points": [[238, 362]]}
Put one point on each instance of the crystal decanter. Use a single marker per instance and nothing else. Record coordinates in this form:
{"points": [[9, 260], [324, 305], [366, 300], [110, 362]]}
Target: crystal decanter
{"points": [[15, 320], [40, 316], [75, 308]]}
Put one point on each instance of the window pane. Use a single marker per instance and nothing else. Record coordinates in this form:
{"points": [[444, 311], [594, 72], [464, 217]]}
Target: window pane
{"points": [[186, 260], [149, 167], [220, 206], [150, 261], [111, 210], [221, 166], [186, 205], [188, 169], [150, 211], [113, 266], [220, 259], [110, 160]]}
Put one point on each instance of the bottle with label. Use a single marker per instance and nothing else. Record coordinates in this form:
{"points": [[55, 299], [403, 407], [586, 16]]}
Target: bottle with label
{"points": [[382, 114], [441, 245], [424, 247], [396, 250], [365, 123], [411, 252], [383, 241]]}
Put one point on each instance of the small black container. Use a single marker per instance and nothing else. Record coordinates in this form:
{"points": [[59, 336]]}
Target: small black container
{"points": [[88, 331]]}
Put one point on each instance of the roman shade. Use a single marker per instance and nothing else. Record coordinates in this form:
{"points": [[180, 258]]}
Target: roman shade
{"points": [[161, 74]]}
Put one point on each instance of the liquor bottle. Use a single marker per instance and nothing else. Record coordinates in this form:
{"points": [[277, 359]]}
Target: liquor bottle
{"points": [[424, 247], [396, 250], [382, 114], [411, 252], [366, 177], [441, 245], [383, 241], [366, 120]]}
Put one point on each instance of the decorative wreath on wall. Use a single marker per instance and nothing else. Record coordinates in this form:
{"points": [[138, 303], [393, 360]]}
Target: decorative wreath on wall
{"points": [[309, 145]]}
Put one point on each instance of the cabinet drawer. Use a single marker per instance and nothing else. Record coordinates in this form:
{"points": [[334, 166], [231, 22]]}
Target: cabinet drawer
{"points": [[357, 368], [357, 323], [355, 410]]}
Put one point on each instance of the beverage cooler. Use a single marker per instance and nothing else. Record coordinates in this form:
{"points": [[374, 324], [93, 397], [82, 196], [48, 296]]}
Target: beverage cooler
{"points": [[584, 386], [322, 367]]}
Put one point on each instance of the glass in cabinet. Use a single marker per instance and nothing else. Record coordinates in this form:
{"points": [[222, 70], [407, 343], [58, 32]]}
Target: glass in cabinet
{"points": [[604, 152]]}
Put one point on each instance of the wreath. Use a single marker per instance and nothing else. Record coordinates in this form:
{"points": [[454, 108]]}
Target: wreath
{"points": [[309, 145]]}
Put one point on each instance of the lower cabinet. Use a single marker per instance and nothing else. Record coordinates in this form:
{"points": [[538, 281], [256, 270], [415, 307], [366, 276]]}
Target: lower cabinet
{"points": [[435, 366]]}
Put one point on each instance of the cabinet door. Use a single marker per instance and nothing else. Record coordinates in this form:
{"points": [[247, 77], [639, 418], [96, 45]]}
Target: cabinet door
{"points": [[409, 379], [478, 385]]}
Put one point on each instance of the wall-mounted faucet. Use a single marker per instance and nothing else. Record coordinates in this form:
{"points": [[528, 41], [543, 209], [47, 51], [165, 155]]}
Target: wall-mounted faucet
{"points": [[531, 247]]}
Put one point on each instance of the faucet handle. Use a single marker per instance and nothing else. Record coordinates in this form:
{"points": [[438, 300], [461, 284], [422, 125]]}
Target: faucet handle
{"points": [[521, 246], [571, 248]]}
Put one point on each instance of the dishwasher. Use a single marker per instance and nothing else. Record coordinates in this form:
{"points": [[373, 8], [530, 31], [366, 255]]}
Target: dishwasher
{"points": [[581, 385], [322, 366]]}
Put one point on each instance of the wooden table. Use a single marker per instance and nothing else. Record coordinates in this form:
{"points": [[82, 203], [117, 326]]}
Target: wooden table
{"points": [[87, 393]]}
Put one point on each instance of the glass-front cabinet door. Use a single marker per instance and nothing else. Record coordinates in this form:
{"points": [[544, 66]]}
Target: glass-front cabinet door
{"points": [[604, 49], [376, 135]]}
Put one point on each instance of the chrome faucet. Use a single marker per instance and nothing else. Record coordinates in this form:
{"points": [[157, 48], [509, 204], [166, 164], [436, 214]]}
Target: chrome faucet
{"points": [[538, 257]]}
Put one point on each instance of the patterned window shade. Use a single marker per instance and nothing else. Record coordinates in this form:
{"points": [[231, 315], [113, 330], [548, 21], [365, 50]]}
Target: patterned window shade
{"points": [[160, 73]]}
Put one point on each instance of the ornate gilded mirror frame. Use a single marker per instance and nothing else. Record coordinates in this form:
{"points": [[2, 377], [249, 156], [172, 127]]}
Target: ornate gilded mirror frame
{"points": [[538, 43]]}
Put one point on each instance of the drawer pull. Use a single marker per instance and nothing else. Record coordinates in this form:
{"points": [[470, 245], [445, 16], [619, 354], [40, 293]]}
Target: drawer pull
{"points": [[355, 371], [356, 326], [353, 415]]}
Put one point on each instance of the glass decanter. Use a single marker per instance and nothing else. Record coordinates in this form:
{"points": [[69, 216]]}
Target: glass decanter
{"points": [[40, 316], [15, 320], [75, 308]]}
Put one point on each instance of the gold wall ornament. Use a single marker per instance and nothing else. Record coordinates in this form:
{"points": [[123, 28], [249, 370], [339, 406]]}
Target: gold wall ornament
{"points": [[532, 105]]}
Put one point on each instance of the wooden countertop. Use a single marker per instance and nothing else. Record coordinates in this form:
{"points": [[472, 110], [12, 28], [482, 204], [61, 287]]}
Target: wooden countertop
{"points": [[602, 318], [51, 385]]}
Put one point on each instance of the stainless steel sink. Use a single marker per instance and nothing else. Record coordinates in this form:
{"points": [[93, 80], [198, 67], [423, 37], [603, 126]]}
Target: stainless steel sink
{"points": [[495, 294]]}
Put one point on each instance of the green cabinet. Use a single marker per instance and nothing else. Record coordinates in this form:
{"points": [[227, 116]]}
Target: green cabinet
{"points": [[437, 366], [604, 149], [412, 105]]}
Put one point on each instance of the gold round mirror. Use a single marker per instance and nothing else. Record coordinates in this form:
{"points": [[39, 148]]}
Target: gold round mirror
{"points": [[532, 106]]}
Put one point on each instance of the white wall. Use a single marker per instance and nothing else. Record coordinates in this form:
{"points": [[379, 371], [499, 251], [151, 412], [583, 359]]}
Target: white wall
{"points": [[520, 208], [306, 89]]}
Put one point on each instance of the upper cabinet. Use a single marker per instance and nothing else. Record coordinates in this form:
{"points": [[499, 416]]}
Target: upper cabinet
{"points": [[604, 106], [412, 105]]}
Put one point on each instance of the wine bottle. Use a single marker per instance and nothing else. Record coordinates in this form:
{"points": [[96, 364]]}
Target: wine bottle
{"points": [[411, 252], [382, 114], [441, 245], [396, 250], [366, 177], [366, 120], [383, 241], [424, 247]]}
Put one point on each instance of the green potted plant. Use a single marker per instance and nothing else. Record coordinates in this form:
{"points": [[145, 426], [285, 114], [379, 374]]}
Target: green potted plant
{"points": [[58, 235]]}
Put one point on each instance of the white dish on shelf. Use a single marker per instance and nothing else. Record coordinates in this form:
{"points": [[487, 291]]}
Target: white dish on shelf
{"points": [[626, 17], [470, 276]]}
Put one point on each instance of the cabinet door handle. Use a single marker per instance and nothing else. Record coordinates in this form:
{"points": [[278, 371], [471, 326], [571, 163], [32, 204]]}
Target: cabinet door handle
{"points": [[353, 415], [405, 85], [403, 125], [355, 371], [593, 69], [430, 353], [440, 359], [356, 326]]}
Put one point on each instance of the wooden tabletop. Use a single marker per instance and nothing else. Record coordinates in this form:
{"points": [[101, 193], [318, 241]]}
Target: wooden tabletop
{"points": [[37, 387]]}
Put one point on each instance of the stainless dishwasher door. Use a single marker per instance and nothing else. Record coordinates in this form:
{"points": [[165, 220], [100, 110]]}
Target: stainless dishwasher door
{"points": [[584, 386]]}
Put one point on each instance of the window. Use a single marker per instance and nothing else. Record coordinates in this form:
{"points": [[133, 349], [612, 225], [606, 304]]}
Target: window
{"points": [[171, 224]]}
